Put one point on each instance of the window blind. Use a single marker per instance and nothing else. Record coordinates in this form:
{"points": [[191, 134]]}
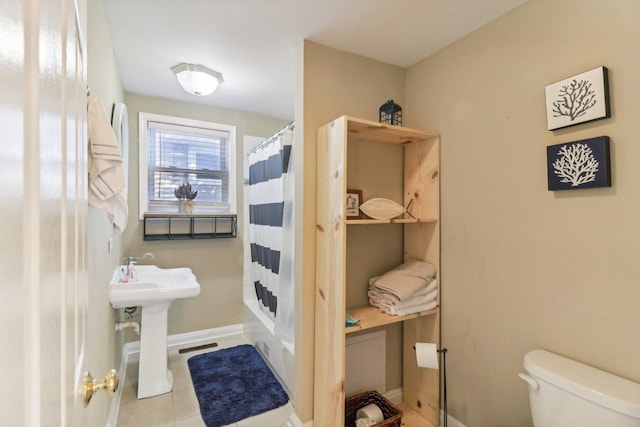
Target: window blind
{"points": [[178, 154]]}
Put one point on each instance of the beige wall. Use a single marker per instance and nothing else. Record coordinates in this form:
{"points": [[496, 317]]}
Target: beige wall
{"points": [[333, 83], [217, 263], [102, 348], [523, 267]]}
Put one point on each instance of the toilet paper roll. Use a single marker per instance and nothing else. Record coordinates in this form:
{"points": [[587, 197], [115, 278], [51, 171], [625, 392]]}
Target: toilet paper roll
{"points": [[371, 411], [427, 355]]}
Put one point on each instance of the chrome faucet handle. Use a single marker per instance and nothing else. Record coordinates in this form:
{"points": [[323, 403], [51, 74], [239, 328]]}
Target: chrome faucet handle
{"points": [[131, 260], [134, 259]]}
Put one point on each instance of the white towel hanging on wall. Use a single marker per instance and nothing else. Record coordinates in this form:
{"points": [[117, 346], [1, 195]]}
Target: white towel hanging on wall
{"points": [[106, 174], [120, 124]]}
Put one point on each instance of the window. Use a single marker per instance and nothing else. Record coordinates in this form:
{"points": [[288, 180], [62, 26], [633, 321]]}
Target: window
{"points": [[174, 151]]}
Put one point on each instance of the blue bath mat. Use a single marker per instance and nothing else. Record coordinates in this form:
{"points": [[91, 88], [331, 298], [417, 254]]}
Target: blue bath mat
{"points": [[233, 384]]}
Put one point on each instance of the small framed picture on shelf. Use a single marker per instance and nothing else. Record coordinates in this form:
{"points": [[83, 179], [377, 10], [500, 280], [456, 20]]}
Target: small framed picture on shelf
{"points": [[353, 202]]}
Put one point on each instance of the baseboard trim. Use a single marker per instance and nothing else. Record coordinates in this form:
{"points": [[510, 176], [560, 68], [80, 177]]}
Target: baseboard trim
{"points": [[452, 421], [203, 336], [132, 349], [395, 396], [294, 421]]}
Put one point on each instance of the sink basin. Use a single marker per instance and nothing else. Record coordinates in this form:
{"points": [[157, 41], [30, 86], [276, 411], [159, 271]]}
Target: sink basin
{"points": [[153, 285], [154, 289]]}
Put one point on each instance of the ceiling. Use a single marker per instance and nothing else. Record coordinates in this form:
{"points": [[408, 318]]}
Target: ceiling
{"points": [[253, 42]]}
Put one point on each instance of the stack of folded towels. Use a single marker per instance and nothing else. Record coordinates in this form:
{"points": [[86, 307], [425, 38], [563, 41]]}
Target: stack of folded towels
{"points": [[407, 289]]}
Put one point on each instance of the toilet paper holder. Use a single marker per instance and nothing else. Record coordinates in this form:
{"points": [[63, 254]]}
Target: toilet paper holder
{"points": [[427, 355], [443, 351], [440, 350]]}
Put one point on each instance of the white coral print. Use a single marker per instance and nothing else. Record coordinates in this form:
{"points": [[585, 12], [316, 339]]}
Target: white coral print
{"points": [[576, 164]]}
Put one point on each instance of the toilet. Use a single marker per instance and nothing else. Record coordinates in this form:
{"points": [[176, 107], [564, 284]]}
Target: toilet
{"points": [[566, 393]]}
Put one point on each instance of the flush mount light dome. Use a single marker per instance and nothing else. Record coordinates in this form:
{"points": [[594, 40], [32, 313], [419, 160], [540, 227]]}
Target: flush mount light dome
{"points": [[197, 79]]}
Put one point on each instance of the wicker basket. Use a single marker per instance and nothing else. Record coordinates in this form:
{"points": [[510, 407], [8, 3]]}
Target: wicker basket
{"points": [[392, 414]]}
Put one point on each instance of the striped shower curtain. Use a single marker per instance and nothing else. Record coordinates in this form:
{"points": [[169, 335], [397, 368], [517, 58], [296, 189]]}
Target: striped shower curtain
{"points": [[268, 179]]}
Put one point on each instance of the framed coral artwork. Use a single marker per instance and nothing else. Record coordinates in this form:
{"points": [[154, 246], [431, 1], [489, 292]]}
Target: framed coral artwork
{"points": [[578, 99], [579, 164]]}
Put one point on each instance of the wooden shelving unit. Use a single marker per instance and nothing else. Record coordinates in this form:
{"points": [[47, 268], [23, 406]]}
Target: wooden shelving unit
{"points": [[343, 156]]}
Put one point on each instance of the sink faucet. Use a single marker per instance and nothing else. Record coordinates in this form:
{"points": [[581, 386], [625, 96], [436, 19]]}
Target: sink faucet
{"points": [[130, 273]]}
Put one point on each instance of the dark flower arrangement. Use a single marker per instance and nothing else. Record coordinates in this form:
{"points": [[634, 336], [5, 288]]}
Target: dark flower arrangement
{"points": [[185, 192]]}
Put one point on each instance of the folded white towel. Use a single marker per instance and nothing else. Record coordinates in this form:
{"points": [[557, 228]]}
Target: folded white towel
{"points": [[406, 279], [417, 300], [394, 311], [417, 268], [106, 174], [415, 309], [392, 298]]}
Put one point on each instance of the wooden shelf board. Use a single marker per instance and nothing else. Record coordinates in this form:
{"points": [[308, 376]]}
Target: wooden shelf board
{"points": [[389, 221], [380, 132], [371, 317]]}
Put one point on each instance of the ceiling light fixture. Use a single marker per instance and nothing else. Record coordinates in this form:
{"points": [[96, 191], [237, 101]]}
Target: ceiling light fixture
{"points": [[197, 79]]}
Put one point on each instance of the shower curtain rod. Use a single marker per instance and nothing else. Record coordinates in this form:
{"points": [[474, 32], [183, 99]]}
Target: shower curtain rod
{"points": [[269, 140]]}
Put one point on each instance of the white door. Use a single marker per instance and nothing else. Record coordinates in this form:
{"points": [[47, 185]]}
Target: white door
{"points": [[43, 166]]}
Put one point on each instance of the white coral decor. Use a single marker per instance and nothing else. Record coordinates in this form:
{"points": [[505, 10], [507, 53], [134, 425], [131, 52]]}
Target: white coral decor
{"points": [[576, 164]]}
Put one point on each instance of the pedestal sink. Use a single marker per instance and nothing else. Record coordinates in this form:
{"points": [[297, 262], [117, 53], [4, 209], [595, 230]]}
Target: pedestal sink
{"points": [[153, 289]]}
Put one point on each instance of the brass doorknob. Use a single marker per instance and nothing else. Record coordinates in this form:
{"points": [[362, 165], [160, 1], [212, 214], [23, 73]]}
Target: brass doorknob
{"points": [[91, 386]]}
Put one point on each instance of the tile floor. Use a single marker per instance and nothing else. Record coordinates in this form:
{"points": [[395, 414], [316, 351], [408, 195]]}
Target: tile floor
{"points": [[180, 407]]}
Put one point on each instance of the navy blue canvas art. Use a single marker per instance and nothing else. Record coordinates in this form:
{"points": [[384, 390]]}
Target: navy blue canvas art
{"points": [[579, 164]]}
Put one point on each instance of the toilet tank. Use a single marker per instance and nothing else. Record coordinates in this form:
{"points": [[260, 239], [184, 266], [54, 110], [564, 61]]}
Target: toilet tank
{"points": [[566, 393]]}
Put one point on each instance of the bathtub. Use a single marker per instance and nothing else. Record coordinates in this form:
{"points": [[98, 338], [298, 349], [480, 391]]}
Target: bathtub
{"points": [[259, 331]]}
